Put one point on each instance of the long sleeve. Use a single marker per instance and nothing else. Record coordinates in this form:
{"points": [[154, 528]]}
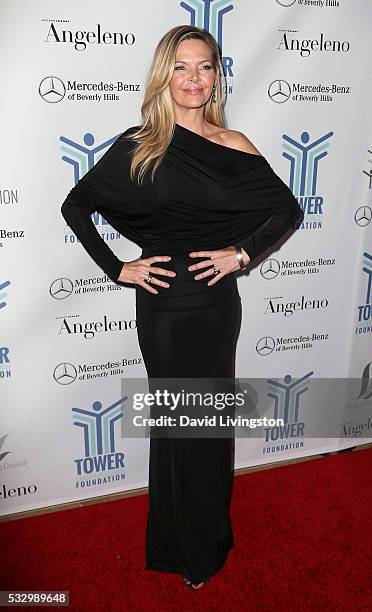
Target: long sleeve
{"points": [[280, 212], [100, 189], [76, 210]]}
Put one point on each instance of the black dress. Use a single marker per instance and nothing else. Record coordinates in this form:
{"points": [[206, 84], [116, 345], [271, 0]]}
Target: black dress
{"points": [[204, 196]]}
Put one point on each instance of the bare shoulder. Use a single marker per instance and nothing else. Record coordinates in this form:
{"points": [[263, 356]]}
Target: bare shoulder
{"points": [[231, 138], [238, 140]]}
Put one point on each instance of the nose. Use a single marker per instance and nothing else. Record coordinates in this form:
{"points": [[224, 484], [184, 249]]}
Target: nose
{"points": [[194, 75]]}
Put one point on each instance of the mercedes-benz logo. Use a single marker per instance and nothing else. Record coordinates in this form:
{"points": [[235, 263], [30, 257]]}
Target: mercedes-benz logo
{"points": [[270, 268], [265, 346], [65, 373], [279, 91], [61, 288], [363, 216], [286, 2], [52, 89]]}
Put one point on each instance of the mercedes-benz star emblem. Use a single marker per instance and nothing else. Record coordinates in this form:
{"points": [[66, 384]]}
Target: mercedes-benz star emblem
{"points": [[265, 346], [270, 269], [61, 288], [363, 216], [279, 91], [65, 373], [52, 89], [286, 2]]}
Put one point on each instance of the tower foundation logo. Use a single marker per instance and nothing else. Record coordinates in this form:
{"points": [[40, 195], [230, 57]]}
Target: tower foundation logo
{"points": [[304, 157], [287, 397], [82, 158], [101, 463]]}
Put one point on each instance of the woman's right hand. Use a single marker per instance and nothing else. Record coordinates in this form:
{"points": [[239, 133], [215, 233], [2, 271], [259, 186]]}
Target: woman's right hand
{"points": [[137, 270]]}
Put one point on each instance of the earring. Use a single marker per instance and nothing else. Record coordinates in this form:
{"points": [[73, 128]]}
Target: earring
{"points": [[214, 97]]}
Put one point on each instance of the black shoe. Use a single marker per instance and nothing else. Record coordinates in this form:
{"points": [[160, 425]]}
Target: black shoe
{"points": [[194, 585]]}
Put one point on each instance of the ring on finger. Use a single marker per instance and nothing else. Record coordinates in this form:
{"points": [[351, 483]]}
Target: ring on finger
{"points": [[215, 270], [148, 278]]}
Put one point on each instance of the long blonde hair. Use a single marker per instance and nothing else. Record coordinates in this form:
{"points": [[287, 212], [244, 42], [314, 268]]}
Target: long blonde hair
{"points": [[158, 118]]}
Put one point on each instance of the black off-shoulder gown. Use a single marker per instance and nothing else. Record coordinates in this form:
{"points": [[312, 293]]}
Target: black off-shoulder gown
{"points": [[205, 196]]}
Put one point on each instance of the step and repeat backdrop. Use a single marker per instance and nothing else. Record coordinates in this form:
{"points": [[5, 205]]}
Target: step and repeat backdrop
{"points": [[299, 86]]}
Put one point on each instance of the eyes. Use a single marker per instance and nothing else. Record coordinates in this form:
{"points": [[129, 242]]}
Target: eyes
{"points": [[204, 66]]}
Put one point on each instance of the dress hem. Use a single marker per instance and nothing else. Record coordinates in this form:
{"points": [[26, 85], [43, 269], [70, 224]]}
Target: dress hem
{"points": [[163, 566]]}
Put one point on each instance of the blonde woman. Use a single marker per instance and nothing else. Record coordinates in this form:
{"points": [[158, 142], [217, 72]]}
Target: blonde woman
{"points": [[201, 202]]}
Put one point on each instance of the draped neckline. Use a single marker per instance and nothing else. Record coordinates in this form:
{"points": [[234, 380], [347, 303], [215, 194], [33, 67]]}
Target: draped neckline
{"points": [[181, 130]]}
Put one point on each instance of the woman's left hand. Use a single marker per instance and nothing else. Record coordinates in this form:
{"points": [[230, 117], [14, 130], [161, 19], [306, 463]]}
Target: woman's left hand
{"points": [[224, 260]]}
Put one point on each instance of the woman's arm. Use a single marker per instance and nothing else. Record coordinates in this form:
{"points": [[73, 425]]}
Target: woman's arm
{"points": [[274, 211], [105, 188], [272, 202], [286, 216], [76, 210]]}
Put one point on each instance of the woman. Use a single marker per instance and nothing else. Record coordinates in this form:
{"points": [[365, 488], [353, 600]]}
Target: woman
{"points": [[190, 193]]}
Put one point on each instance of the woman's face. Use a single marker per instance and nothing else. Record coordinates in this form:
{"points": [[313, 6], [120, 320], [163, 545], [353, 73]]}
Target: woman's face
{"points": [[194, 75]]}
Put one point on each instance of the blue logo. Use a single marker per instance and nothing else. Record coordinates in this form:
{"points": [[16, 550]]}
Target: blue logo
{"points": [[3, 293], [5, 371], [304, 158], [101, 463], [82, 158], [365, 310], [208, 14], [287, 397]]}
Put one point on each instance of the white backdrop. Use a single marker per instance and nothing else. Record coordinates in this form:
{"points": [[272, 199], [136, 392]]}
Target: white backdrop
{"points": [[72, 80]]}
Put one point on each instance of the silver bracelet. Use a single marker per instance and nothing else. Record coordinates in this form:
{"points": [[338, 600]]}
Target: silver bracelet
{"points": [[240, 258]]}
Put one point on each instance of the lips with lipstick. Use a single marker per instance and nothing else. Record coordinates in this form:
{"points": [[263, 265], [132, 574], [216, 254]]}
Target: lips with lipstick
{"points": [[193, 90]]}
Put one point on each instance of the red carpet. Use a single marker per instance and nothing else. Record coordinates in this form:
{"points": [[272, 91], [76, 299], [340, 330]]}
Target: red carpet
{"points": [[303, 542]]}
